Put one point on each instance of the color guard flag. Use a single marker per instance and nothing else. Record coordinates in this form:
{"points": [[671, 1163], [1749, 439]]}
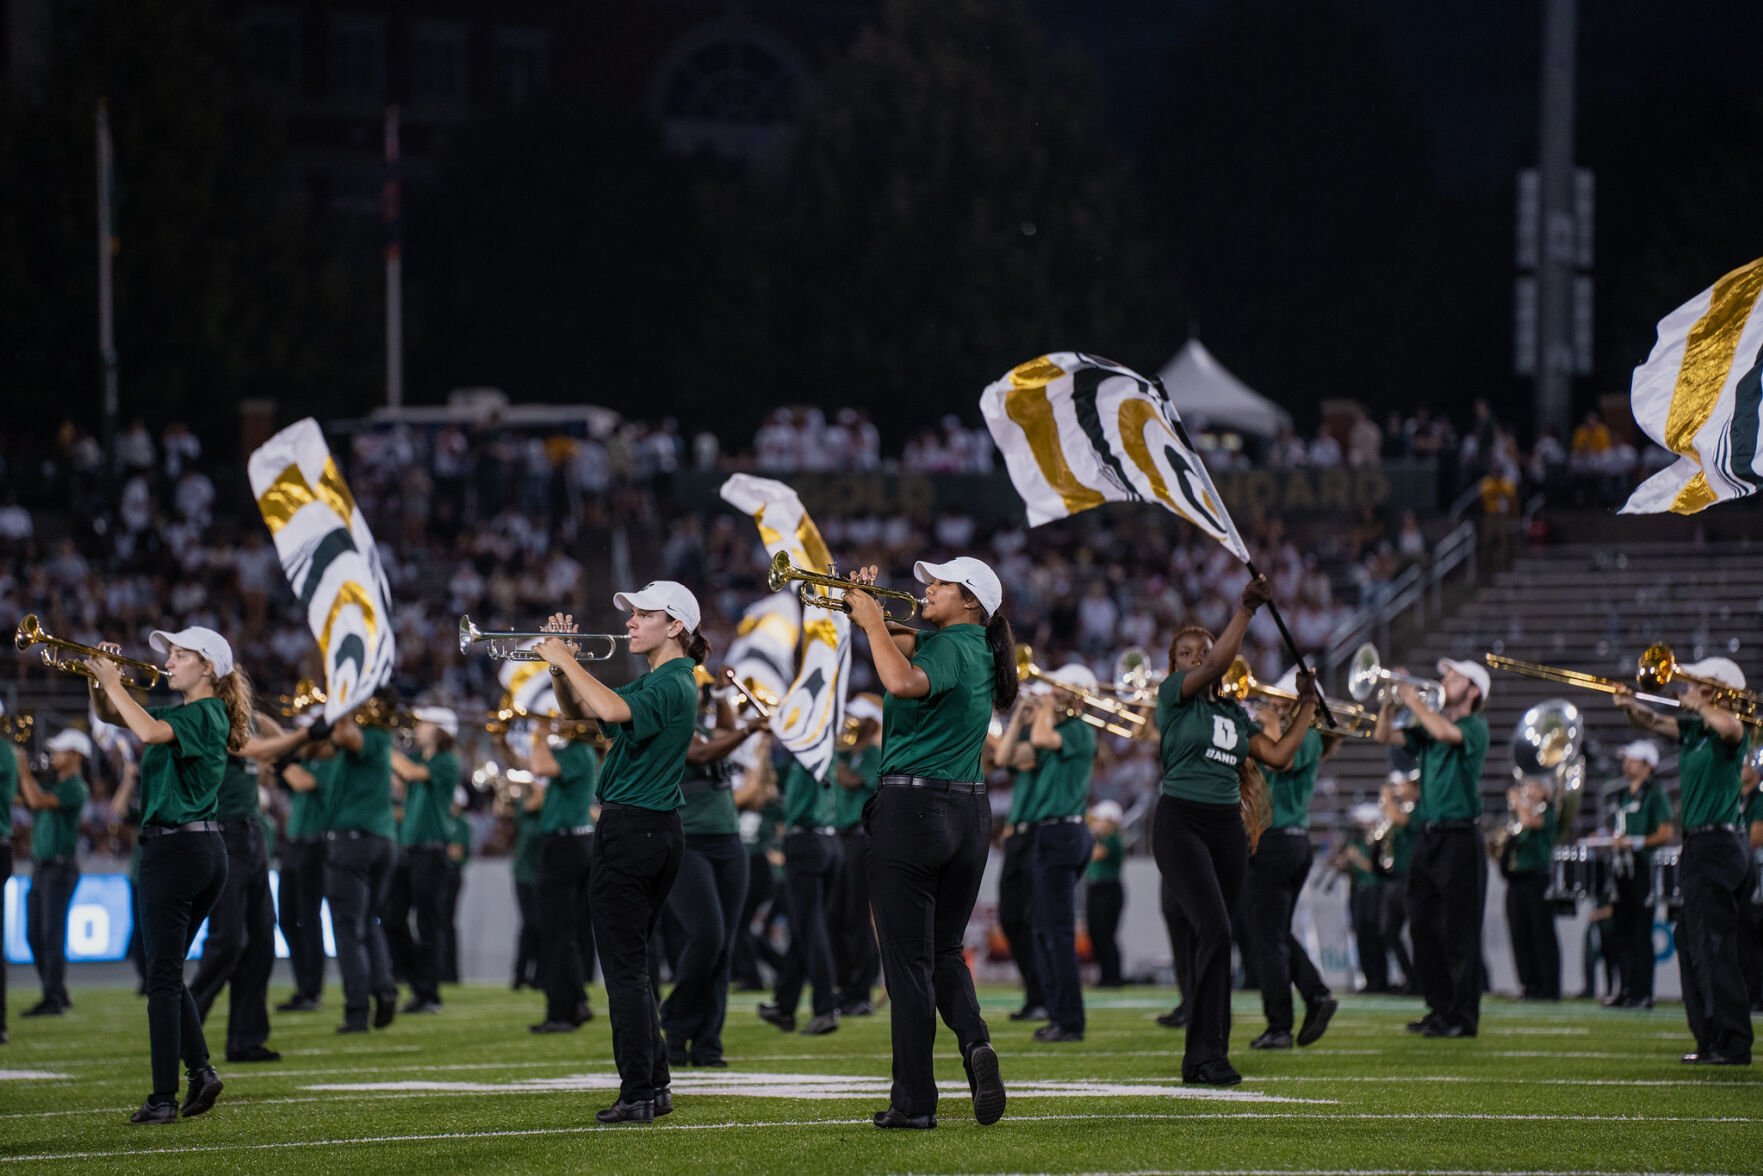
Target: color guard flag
{"points": [[330, 560], [528, 684], [812, 713], [1697, 395], [763, 652], [1077, 430]]}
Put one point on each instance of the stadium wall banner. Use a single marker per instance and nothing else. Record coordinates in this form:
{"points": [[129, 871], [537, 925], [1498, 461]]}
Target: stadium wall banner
{"points": [[1395, 485]]}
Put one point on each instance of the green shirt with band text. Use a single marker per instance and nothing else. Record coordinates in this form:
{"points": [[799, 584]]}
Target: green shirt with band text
{"points": [[1202, 740]]}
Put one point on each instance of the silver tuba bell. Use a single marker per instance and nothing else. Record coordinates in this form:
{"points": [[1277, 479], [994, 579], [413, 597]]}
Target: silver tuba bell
{"points": [[1548, 746]]}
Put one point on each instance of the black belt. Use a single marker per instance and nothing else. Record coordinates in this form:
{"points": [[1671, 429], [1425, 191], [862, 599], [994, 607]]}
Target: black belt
{"points": [[350, 835], [573, 831], [301, 840], [826, 830], [971, 787], [1717, 827], [1056, 821], [1446, 826], [149, 832]]}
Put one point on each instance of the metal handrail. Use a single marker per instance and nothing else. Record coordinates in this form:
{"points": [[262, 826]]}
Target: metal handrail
{"points": [[1414, 587]]}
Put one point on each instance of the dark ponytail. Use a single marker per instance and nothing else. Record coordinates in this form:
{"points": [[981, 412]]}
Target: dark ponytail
{"points": [[1005, 682], [697, 647]]}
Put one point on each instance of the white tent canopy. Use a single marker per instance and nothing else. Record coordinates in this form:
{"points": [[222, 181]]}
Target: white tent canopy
{"points": [[1205, 394]]}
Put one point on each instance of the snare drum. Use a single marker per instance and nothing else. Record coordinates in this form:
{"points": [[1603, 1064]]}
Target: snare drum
{"points": [[1665, 885], [1580, 871]]}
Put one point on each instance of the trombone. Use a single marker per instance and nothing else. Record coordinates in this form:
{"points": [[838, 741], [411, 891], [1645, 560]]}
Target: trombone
{"points": [[782, 572], [1655, 667], [1026, 670], [509, 646], [67, 656], [1239, 683], [1368, 678]]}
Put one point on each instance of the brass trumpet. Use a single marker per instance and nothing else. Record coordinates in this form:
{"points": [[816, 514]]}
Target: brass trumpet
{"points": [[1239, 682], [1026, 670], [67, 656], [307, 693], [782, 572], [1369, 679], [509, 646]]}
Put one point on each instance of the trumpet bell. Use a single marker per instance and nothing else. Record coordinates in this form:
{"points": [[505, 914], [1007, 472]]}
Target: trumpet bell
{"points": [[138, 674], [1364, 673], [781, 573]]}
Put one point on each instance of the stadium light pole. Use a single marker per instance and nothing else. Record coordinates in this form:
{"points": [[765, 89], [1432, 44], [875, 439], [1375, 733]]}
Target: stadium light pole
{"points": [[393, 212], [1556, 230]]}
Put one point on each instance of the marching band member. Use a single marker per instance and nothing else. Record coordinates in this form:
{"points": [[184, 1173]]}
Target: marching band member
{"points": [[1751, 937], [360, 854], [458, 852], [856, 959], [428, 784], [527, 844], [1012, 752], [1715, 865], [11, 760], [1447, 877], [1104, 897], [638, 841], [811, 862], [1394, 856], [706, 900], [1278, 870], [55, 863], [1643, 823], [1065, 747], [930, 824], [566, 854], [301, 892], [1364, 897], [1213, 807], [1536, 953], [183, 859]]}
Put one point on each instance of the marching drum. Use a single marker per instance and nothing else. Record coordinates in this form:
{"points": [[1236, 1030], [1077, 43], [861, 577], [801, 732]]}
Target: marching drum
{"points": [[1581, 871], [1665, 885]]}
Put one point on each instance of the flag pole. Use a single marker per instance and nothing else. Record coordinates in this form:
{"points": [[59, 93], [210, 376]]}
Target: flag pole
{"points": [[1292, 648]]}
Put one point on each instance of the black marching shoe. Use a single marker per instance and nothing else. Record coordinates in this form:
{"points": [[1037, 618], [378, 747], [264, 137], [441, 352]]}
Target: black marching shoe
{"points": [[553, 1027], [1272, 1039], [858, 1008], [1316, 1019], [205, 1087], [628, 1112], [663, 1102], [157, 1109], [987, 1085], [385, 1009], [1176, 1018], [823, 1023], [352, 1027], [1705, 1057], [416, 1005], [1447, 1029], [772, 1015], [45, 1008], [583, 1014], [1027, 1013], [1214, 1073], [257, 1053], [298, 1004], [1422, 1025], [1057, 1032], [896, 1118], [1637, 1002], [1615, 1000]]}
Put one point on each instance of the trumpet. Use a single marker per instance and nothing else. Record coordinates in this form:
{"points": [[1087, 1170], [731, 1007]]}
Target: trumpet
{"points": [[1026, 670], [1239, 683], [18, 727], [307, 693], [1368, 679], [68, 656], [510, 646], [782, 572]]}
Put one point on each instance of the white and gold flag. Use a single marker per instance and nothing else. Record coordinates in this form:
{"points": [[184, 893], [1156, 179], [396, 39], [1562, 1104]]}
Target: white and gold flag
{"points": [[528, 684], [1697, 395], [808, 720], [330, 559], [1077, 430]]}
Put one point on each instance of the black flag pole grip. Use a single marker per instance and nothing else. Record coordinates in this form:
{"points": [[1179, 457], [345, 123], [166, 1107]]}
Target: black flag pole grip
{"points": [[1292, 648]]}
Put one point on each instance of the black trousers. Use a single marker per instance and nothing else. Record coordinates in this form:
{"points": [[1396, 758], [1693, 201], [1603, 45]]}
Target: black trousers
{"points": [[1277, 873], [637, 855], [419, 885], [704, 908], [357, 878], [1365, 909], [301, 895], [1016, 912], [566, 922], [1632, 919], [1536, 952], [1750, 948], [753, 948], [52, 887], [1056, 862], [5, 873], [239, 952], [927, 856], [1181, 939], [1392, 921], [526, 941], [1103, 903], [1202, 853], [856, 959], [182, 876], [1447, 887], [811, 863], [452, 886], [1713, 873]]}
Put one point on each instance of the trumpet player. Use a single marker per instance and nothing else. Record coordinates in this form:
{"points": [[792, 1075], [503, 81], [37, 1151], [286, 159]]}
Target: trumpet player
{"points": [[570, 770], [1643, 823], [420, 879], [1715, 865], [856, 957], [1524, 861], [1447, 880], [1011, 751], [55, 862]]}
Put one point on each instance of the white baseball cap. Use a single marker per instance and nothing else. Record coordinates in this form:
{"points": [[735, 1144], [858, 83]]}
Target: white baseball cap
{"points": [[1474, 671], [668, 596], [1721, 669], [1366, 813], [1078, 675], [206, 642], [972, 574], [440, 716], [72, 740], [1644, 750], [864, 706], [1107, 810]]}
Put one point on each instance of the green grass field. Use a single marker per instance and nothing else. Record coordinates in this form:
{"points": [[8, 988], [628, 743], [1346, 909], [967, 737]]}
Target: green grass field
{"points": [[1567, 1088]]}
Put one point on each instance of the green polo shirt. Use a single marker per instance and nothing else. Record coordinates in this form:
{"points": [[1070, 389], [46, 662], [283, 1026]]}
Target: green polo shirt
{"points": [[1707, 774], [848, 802], [1022, 794], [569, 798], [1533, 846], [459, 834], [1202, 741], [8, 788], [361, 791], [238, 790], [1401, 842], [1062, 776], [1107, 867], [1450, 773], [807, 802], [942, 736], [180, 780], [55, 832], [426, 802], [1359, 877], [648, 754], [306, 810], [710, 799], [1642, 812], [1752, 811], [527, 840], [1291, 789]]}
